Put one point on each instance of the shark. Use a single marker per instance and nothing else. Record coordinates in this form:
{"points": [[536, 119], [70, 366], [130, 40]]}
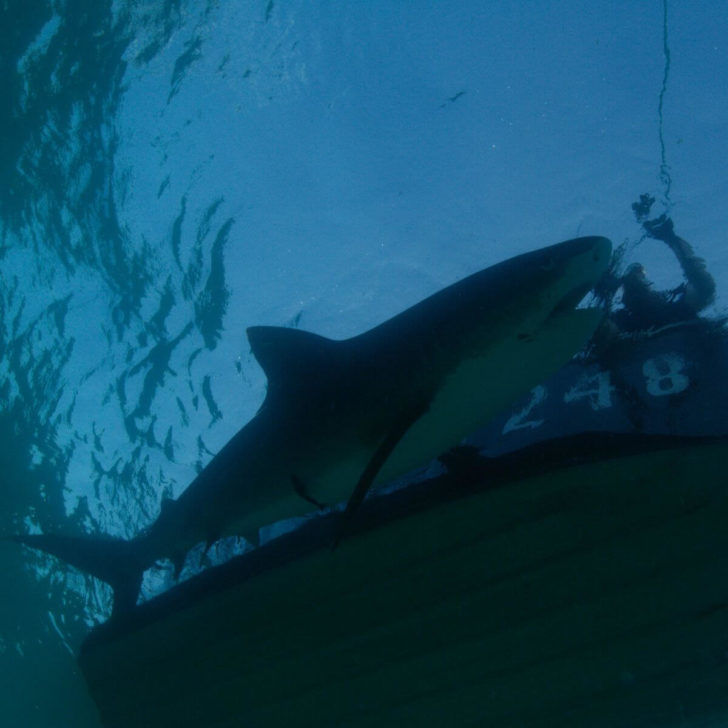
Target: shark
{"points": [[343, 417]]}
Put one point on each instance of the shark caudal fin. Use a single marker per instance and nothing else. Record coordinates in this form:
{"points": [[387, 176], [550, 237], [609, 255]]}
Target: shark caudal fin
{"points": [[118, 562]]}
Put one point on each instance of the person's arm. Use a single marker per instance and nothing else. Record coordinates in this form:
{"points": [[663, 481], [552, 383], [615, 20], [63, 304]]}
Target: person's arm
{"points": [[699, 283]]}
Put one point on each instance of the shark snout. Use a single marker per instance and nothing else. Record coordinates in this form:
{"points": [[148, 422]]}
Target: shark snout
{"points": [[602, 253], [582, 264], [591, 264]]}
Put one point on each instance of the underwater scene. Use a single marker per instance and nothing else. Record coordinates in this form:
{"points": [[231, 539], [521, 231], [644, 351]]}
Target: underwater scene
{"points": [[363, 363]]}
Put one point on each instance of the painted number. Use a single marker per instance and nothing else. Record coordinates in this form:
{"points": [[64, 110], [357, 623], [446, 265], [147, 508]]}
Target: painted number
{"points": [[665, 375], [518, 420], [596, 388]]}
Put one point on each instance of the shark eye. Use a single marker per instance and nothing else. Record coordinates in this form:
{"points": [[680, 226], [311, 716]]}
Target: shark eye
{"points": [[548, 265]]}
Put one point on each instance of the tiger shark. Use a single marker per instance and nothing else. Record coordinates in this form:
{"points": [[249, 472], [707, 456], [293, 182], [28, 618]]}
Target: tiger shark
{"points": [[341, 417]]}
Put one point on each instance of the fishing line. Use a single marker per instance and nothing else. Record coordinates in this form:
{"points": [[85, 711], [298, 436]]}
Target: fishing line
{"points": [[665, 177], [643, 207]]}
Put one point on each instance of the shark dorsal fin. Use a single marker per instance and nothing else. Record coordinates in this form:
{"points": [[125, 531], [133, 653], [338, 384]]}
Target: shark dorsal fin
{"points": [[282, 353]]}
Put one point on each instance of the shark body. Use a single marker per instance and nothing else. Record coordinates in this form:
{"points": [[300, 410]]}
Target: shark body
{"points": [[341, 417]]}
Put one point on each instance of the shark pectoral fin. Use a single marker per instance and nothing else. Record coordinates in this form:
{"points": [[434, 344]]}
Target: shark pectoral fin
{"points": [[300, 487], [375, 464]]}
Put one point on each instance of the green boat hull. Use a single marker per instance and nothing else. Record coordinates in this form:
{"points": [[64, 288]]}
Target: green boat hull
{"points": [[590, 595]]}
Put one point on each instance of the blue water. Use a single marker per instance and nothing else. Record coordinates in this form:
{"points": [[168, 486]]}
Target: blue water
{"points": [[172, 172]]}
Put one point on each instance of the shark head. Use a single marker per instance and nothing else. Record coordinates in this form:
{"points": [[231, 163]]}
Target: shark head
{"points": [[542, 287], [487, 340], [572, 269]]}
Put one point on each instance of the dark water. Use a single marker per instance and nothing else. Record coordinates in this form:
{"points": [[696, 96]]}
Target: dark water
{"points": [[78, 294], [174, 171]]}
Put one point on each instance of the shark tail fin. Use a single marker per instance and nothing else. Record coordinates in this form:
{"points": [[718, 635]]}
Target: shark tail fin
{"points": [[118, 562]]}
